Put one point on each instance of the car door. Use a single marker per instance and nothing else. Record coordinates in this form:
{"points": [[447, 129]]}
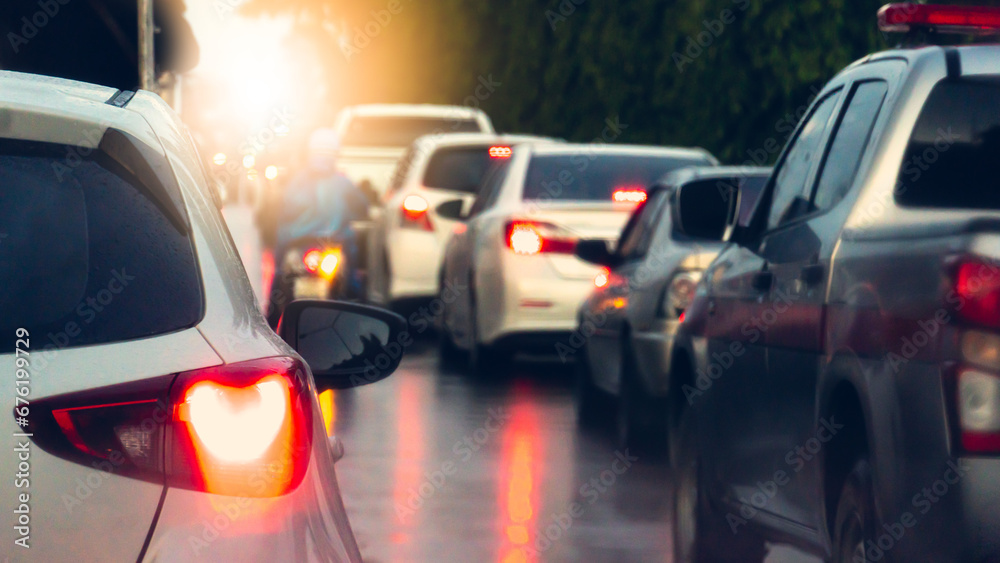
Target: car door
{"points": [[604, 346], [732, 378], [799, 251]]}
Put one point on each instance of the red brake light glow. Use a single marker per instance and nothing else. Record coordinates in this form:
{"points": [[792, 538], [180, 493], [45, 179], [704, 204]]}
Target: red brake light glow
{"points": [[945, 19], [311, 259], [500, 152], [629, 195], [237, 429], [602, 278], [977, 284], [415, 214], [532, 237]]}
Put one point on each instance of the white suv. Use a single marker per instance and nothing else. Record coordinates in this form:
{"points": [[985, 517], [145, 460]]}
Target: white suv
{"points": [[151, 412]]}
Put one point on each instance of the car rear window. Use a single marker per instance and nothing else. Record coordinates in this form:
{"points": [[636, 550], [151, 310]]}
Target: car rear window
{"points": [[595, 177], [87, 256], [458, 169], [401, 131], [950, 161]]}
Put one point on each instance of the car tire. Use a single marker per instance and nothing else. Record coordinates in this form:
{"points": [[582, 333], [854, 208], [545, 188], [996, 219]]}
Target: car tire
{"points": [[855, 520], [641, 420], [591, 403], [699, 533]]}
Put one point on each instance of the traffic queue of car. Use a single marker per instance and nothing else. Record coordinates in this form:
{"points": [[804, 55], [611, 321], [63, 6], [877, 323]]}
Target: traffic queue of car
{"points": [[816, 347]]}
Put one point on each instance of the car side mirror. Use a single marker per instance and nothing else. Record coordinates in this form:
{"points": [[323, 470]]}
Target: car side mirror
{"points": [[345, 344], [596, 251], [453, 209], [702, 209]]}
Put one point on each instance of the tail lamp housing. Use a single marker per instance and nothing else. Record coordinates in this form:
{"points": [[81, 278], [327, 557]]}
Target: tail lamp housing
{"points": [[238, 429], [415, 213], [905, 17], [534, 237], [679, 294]]}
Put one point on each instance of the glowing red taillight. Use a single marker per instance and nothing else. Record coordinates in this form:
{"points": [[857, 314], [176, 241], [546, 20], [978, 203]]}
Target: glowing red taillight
{"points": [[415, 213], [311, 259], [500, 152], [629, 195], [238, 429], [943, 19], [977, 285], [533, 237]]}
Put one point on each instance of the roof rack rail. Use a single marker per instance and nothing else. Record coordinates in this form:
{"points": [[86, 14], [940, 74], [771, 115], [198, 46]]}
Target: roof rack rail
{"points": [[121, 98]]}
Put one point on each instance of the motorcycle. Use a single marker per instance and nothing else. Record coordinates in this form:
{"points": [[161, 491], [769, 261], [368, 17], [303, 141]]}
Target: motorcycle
{"points": [[312, 268]]}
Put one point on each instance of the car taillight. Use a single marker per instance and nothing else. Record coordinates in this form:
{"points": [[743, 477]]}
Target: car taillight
{"points": [[532, 237], [629, 195], [323, 263], [238, 429], [679, 295], [311, 260], [979, 410], [415, 213], [500, 152], [977, 285], [602, 278], [942, 19]]}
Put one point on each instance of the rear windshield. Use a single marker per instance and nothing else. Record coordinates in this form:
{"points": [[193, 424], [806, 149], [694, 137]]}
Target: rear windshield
{"points": [[86, 256], [459, 169], [951, 160], [594, 177], [401, 131]]}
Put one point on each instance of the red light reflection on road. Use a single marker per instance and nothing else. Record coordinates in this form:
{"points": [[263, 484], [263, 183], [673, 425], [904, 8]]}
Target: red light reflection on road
{"points": [[409, 456], [520, 472]]}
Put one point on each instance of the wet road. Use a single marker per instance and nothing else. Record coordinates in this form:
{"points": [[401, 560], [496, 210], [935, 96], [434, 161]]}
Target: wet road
{"points": [[443, 466]]}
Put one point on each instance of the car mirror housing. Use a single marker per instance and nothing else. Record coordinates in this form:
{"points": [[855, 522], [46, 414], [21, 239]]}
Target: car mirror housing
{"points": [[345, 344], [596, 251], [452, 209]]}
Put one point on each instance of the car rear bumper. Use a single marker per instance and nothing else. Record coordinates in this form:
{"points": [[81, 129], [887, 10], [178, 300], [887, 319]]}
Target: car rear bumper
{"points": [[414, 263]]}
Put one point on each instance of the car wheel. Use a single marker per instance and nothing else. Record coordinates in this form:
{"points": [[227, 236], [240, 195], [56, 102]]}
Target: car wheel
{"points": [[591, 403], [855, 521], [699, 533], [641, 419]]}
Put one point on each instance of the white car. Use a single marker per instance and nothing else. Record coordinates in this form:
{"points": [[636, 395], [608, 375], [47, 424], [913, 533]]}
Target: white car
{"points": [[151, 414], [373, 137], [517, 282], [436, 179]]}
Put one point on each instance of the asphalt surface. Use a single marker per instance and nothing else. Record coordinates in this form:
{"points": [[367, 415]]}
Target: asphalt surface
{"points": [[445, 466]]}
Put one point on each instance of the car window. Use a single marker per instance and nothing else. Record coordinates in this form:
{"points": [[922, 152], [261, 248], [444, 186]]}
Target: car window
{"points": [[750, 190], [458, 169], [490, 190], [849, 142], [790, 178], [950, 161], [635, 240], [86, 254], [595, 177], [384, 131]]}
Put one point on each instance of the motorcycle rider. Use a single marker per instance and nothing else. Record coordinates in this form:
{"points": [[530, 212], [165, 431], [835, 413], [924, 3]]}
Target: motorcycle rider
{"points": [[320, 202]]}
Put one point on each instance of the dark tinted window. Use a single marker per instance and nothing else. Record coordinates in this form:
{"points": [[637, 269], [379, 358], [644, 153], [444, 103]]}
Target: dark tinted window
{"points": [[638, 231], [86, 256], [595, 177], [951, 160], [459, 169], [705, 206], [401, 131], [849, 143], [790, 181]]}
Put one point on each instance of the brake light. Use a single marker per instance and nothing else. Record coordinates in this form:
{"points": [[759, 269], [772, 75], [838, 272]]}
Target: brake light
{"points": [[977, 285], [239, 429], [323, 263], [311, 259], [943, 19], [532, 237], [500, 152], [415, 214], [629, 195], [602, 278]]}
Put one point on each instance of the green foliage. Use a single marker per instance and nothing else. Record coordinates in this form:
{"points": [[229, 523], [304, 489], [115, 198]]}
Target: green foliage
{"points": [[566, 66]]}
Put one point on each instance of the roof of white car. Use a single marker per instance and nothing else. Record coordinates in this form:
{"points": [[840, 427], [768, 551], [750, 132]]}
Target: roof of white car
{"points": [[413, 110], [47, 91], [435, 140], [636, 150]]}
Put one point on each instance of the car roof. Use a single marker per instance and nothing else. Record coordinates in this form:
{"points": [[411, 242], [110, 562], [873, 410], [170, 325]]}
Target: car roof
{"points": [[691, 173], [413, 110], [49, 91], [556, 149], [436, 140]]}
